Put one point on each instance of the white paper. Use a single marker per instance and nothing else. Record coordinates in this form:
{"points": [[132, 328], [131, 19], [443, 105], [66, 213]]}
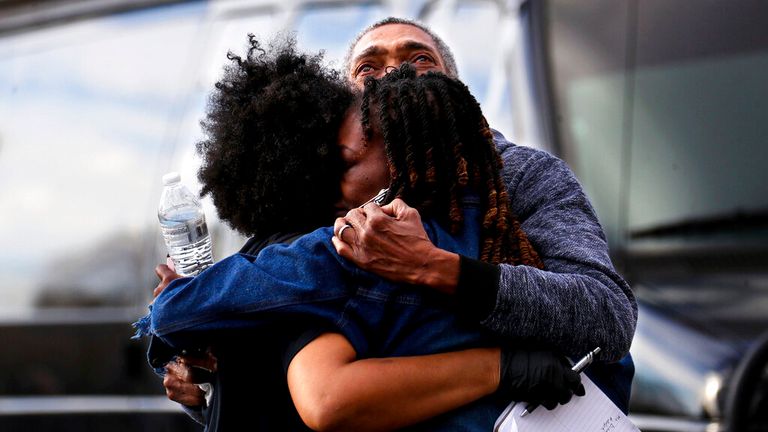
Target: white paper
{"points": [[593, 412]]}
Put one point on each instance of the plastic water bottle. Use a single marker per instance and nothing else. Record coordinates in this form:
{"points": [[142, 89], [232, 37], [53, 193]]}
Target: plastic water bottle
{"points": [[182, 222]]}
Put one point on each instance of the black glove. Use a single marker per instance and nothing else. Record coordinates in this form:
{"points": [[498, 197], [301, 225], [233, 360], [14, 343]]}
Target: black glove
{"points": [[538, 377]]}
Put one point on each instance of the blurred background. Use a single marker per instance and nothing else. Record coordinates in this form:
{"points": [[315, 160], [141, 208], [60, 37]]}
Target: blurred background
{"points": [[660, 107]]}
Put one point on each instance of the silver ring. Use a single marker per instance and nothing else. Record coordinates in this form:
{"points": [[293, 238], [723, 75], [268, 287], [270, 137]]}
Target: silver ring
{"points": [[341, 231]]}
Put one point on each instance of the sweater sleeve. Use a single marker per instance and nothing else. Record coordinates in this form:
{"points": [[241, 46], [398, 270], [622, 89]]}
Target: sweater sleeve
{"points": [[578, 301]]}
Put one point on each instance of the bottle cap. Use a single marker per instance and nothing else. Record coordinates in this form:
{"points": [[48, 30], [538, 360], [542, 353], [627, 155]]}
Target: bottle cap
{"points": [[171, 178]]}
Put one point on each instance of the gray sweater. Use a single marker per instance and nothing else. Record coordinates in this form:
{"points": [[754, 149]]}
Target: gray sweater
{"points": [[578, 300]]}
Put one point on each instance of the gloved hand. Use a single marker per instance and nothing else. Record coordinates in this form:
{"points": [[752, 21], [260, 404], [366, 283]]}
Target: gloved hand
{"points": [[538, 377]]}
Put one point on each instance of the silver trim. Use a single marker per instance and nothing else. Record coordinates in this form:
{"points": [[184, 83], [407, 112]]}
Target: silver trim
{"points": [[655, 423], [68, 316], [23, 16], [48, 405]]}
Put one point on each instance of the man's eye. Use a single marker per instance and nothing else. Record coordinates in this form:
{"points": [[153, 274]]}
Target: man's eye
{"points": [[364, 69], [423, 58]]}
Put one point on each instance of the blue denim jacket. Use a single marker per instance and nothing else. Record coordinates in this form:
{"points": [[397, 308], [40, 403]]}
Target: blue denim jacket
{"points": [[309, 279]]}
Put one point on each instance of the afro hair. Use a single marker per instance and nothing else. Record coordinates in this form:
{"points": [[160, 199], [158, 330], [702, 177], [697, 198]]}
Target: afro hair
{"points": [[270, 159]]}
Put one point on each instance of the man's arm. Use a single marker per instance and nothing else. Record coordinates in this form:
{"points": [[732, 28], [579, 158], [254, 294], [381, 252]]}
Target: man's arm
{"points": [[579, 289]]}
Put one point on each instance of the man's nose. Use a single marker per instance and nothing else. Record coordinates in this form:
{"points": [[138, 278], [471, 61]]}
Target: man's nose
{"points": [[393, 65]]}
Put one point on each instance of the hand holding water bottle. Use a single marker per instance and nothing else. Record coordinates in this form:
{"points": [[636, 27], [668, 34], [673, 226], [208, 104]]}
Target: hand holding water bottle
{"points": [[167, 274], [185, 232]]}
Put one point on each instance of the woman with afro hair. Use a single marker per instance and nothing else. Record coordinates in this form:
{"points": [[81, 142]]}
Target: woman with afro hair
{"points": [[273, 168], [270, 161]]}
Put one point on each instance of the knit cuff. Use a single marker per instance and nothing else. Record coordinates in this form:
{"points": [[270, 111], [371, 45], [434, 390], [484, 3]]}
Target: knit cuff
{"points": [[477, 288]]}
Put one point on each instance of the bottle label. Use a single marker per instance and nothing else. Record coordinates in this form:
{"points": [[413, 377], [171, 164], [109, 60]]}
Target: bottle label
{"points": [[188, 233], [198, 230]]}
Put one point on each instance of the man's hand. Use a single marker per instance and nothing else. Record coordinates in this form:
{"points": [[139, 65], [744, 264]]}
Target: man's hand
{"points": [[390, 241], [183, 375], [538, 377], [166, 273]]}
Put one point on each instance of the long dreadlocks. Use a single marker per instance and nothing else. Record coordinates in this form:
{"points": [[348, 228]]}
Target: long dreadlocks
{"points": [[435, 135]]}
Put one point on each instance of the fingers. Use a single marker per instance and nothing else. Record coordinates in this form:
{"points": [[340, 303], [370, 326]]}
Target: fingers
{"points": [[549, 404], [356, 217], [372, 216], [163, 271], [572, 379], [395, 208], [346, 228], [207, 361], [338, 224], [342, 230], [342, 248], [342, 227], [199, 375], [565, 397], [539, 377], [177, 371], [200, 369], [166, 275], [373, 210], [549, 398], [573, 382], [179, 388], [566, 384]]}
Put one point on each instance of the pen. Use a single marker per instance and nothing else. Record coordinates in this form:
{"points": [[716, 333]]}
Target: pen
{"points": [[578, 367]]}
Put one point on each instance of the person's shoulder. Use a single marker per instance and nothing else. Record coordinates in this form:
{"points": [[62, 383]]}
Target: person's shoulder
{"points": [[510, 151], [254, 245], [520, 159], [315, 244]]}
